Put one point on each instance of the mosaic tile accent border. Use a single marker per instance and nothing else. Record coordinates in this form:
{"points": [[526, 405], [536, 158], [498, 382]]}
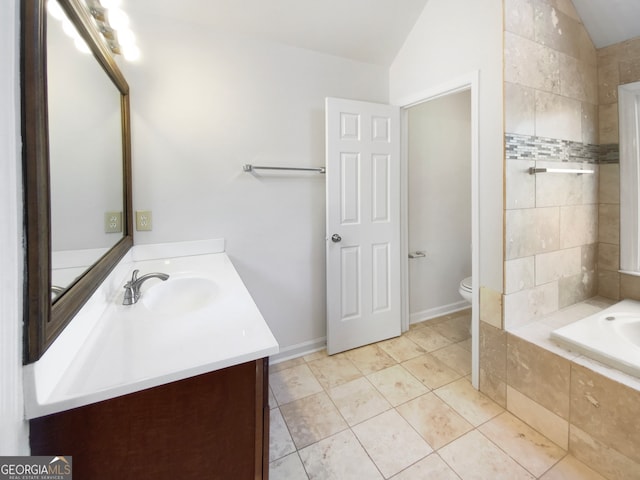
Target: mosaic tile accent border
{"points": [[528, 147]]}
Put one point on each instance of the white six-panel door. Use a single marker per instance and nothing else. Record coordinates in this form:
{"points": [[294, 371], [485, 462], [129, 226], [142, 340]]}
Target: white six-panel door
{"points": [[363, 223]]}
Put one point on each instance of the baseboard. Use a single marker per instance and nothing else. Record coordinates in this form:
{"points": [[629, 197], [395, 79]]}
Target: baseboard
{"points": [[298, 350], [438, 311]]}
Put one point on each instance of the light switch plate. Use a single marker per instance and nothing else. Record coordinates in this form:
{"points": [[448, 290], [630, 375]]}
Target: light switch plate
{"points": [[113, 222], [143, 220]]}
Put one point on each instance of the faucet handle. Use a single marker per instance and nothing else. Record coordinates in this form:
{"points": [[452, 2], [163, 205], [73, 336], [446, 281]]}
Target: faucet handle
{"points": [[134, 276]]}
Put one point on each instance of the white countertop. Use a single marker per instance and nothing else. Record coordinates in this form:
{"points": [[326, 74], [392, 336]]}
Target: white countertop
{"points": [[131, 348]]}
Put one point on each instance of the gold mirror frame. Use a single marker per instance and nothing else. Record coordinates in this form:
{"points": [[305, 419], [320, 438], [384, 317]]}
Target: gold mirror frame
{"points": [[43, 321]]}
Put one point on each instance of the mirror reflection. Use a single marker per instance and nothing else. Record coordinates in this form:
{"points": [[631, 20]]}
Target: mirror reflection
{"points": [[85, 152]]}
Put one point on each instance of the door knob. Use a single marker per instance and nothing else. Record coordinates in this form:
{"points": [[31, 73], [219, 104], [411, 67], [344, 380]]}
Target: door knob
{"points": [[335, 238]]}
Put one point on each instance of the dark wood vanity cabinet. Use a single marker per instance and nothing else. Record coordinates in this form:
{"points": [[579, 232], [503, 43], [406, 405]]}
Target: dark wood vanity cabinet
{"points": [[212, 426]]}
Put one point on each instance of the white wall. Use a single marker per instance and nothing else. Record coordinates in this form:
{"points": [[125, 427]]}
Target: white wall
{"points": [[204, 104], [451, 39], [439, 164], [14, 431]]}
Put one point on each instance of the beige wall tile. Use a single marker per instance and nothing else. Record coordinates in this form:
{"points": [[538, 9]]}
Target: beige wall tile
{"points": [[520, 184], [556, 29], [530, 64], [608, 256], [578, 225], [531, 231], [590, 126], [606, 410], [519, 274], [519, 104], [608, 81], [535, 415], [629, 70], [605, 460], [558, 116], [518, 18], [493, 350], [580, 286], [555, 265], [632, 47], [578, 79], [629, 286], [609, 224], [522, 307], [609, 183], [566, 189], [493, 387], [539, 374], [491, 306], [608, 123], [609, 284]]}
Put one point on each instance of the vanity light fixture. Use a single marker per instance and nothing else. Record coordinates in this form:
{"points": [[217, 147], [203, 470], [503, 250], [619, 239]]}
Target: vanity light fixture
{"points": [[113, 23], [110, 20]]}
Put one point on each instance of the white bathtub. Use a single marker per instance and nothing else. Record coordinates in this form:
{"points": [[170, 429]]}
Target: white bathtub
{"points": [[611, 336]]}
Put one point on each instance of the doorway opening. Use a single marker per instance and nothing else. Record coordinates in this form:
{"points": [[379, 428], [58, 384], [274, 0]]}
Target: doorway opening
{"points": [[442, 219]]}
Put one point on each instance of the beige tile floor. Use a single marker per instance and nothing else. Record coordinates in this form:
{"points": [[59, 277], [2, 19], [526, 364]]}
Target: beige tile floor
{"points": [[402, 409]]}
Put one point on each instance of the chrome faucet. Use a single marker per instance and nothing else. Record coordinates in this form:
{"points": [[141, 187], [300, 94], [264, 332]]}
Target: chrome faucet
{"points": [[132, 287]]}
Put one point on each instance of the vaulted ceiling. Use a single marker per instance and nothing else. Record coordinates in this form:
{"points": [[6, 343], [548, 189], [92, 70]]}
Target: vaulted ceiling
{"points": [[365, 30]]}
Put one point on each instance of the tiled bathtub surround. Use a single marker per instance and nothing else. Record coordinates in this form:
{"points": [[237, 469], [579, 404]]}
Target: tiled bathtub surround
{"points": [[583, 406]]}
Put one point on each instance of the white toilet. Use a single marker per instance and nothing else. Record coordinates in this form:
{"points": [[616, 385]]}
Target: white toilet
{"points": [[465, 289]]}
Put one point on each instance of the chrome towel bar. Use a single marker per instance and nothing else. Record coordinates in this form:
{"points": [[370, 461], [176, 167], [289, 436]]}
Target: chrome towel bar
{"points": [[250, 168]]}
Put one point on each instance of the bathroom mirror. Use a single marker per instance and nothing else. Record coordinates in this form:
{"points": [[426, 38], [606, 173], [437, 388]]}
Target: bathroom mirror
{"points": [[629, 130], [77, 168]]}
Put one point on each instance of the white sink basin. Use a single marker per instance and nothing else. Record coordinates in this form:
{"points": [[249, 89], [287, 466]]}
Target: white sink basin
{"points": [[180, 295]]}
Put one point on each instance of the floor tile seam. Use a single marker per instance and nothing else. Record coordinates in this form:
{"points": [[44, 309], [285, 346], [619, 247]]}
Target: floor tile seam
{"points": [[447, 463], [410, 425], [304, 467], [509, 455], [367, 452], [433, 449], [503, 410], [288, 431], [366, 419], [429, 390]]}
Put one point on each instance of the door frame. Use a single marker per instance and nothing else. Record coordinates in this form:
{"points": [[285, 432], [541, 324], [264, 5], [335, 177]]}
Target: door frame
{"points": [[469, 81]]}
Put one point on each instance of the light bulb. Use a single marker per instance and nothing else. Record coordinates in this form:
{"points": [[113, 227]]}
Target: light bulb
{"points": [[126, 37], [131, 53], [117, 19]]}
